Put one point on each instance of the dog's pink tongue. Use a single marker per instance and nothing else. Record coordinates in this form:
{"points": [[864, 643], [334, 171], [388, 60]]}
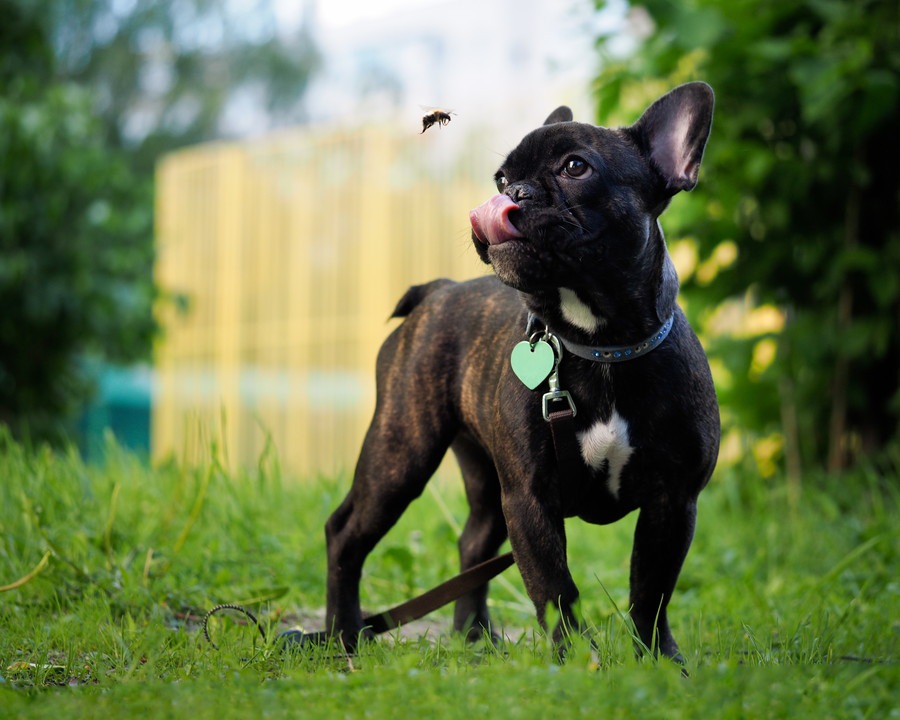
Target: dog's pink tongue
{"points": [[491, 223]]}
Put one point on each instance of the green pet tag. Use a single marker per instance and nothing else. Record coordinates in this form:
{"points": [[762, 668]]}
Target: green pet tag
{"points": [[532, 364]]}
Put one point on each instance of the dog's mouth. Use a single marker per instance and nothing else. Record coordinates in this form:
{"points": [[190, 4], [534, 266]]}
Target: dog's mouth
{"points": [[491, 222], [500, 243]]}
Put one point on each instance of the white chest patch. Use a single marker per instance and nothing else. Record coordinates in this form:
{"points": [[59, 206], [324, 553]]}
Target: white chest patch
{"points": [[607, 442], [576, 312]]}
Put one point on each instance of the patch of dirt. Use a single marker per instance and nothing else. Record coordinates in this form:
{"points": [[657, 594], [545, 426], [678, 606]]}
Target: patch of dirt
{"points": [[427, 627]]}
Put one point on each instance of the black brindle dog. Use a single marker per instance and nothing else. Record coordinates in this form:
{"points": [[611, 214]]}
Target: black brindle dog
{"points": [[582, 268]]}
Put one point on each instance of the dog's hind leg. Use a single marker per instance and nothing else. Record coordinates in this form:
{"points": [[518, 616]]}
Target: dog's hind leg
{"points": [[391, 472], [483, 534]]}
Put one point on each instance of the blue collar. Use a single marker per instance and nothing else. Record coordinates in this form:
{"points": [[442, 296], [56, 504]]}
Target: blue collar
{"points": [[619, 353]]}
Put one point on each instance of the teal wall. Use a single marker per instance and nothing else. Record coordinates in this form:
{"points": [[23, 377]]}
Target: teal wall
{"points": [[122, 406]]}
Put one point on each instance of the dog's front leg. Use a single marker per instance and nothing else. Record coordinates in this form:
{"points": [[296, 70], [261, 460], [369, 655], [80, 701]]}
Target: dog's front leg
{"points": [[662, 537], [537, 535]]}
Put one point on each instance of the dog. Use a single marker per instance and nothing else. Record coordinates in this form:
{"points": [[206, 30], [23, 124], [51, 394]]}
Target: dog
{"points": [[579, 264]]}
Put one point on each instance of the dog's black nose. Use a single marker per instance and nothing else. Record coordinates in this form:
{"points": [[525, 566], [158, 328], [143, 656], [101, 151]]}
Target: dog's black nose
{"points": [[520, 191]]}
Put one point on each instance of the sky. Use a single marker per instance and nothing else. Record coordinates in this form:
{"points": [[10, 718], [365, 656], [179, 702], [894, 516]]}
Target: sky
{"points": [[336, 13], [495, 62]]}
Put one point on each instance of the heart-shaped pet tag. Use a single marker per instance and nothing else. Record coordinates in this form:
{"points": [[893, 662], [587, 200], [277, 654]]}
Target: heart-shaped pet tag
{"points": [[532, 364]]}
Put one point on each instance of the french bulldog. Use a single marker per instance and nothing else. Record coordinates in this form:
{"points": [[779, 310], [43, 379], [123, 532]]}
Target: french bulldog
{"points": [[580, 264]]}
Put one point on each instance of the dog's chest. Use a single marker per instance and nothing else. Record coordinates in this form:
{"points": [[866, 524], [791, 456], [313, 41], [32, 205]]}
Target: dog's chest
{"points": [[606, 445]]}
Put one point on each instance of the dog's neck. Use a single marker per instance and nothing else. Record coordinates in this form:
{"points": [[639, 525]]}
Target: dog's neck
{"points": [[619, 313]]}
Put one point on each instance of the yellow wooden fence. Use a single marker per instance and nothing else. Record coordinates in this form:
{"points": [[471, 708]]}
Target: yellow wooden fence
{"points": [[292, 251]]}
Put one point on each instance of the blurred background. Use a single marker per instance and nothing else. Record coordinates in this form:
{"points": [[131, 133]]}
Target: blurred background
{"points": [[209, 209]]}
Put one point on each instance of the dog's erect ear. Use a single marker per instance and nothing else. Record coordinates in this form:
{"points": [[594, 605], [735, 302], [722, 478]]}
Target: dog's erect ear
{"points": [[561, 114], [674, 130]]}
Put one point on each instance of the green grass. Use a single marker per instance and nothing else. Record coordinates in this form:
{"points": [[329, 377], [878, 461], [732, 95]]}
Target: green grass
{"points": [[784, 608]]}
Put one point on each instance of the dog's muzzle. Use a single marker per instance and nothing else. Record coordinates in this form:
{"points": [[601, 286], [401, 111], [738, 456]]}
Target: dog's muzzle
{"points": [[491, 223]]}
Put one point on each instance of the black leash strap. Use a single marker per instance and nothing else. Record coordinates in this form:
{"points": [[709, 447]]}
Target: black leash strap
{"points": [[573, 475], [565, 444], [437, 597], [405, 612]]}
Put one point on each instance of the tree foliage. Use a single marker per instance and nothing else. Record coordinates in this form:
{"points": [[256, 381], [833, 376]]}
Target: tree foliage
{"points": [[799, 208], [170, 73], [92, 92], [73, 238]]}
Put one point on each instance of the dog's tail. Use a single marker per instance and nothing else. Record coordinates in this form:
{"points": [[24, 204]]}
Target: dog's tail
{"points": [[416, 294]]}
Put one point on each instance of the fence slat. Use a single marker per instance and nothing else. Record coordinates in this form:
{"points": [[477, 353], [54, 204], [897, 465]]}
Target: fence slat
{"points": [[292, 251]]}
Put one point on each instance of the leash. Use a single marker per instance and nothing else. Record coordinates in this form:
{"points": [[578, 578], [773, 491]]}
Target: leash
{"points": [[405, 612], [565, 445], [437, 597], [559, 411]]}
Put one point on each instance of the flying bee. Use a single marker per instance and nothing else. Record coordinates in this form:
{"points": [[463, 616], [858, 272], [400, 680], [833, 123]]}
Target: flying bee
{"points": [[434, 116]]}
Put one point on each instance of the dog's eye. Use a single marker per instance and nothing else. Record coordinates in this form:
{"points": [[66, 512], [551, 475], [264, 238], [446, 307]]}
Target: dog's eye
{"points": [[501, 181], [577, 168]]}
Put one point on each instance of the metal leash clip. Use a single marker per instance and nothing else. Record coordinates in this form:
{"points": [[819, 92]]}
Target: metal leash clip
{"points": [[555, 394]]}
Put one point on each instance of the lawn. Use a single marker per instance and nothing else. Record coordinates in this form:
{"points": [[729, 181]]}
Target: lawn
{"points": [[788, 606]]}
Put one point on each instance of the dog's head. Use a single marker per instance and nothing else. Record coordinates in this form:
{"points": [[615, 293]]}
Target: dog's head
{"points": [[577, 206]]}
